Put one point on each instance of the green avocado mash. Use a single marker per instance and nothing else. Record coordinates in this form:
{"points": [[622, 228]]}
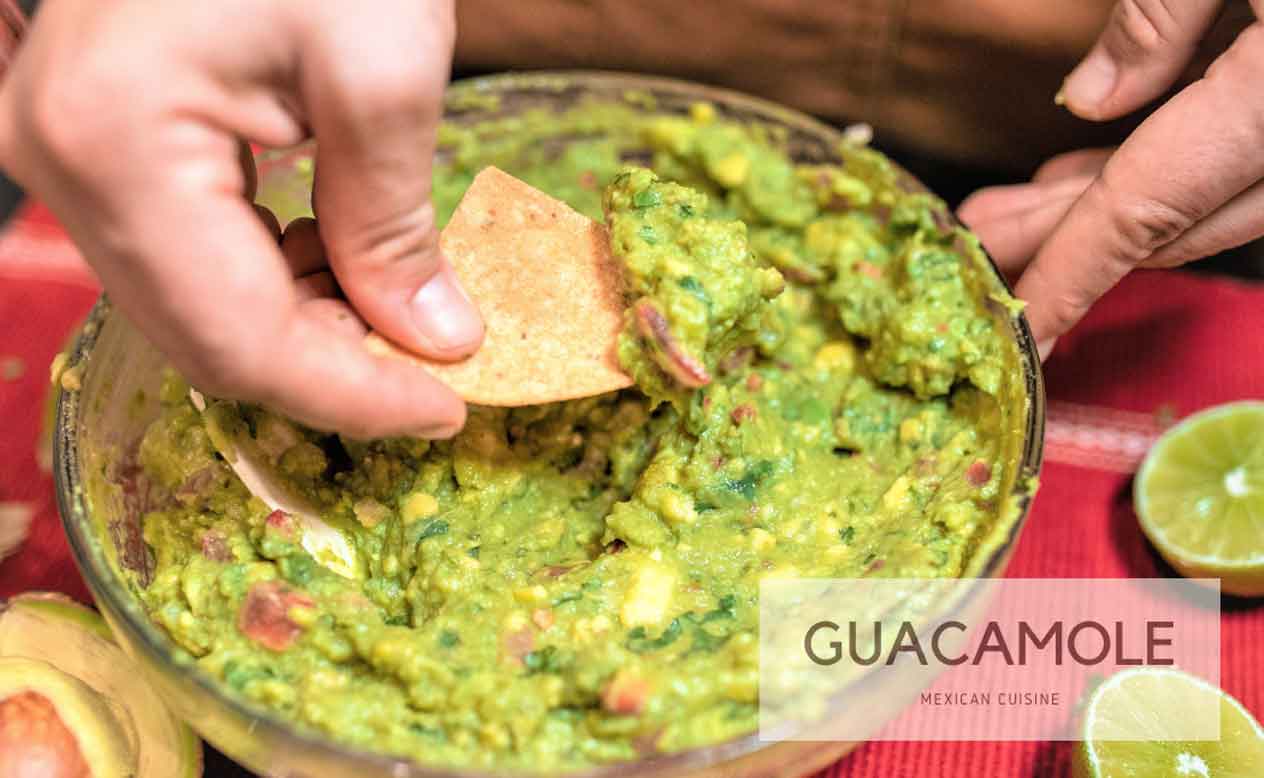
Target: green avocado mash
{"points": [[822, 390], [699, 290]]}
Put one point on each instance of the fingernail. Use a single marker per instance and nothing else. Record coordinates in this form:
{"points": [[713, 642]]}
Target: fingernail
{"points": [[441, 432], [1044, 348], [444, 315], [1091, 82]]}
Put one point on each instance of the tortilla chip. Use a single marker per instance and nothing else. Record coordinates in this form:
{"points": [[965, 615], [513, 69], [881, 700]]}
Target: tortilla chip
{"points": [[549, 290]]}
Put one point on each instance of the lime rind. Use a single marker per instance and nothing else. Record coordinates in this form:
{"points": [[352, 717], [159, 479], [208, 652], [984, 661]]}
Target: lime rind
{"points": [[1182, 499]]}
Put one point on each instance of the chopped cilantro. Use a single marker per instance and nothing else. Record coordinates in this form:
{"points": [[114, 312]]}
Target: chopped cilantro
{"points": [[433, 527], [702, 639], [638, 642], [647, 198], [693, 287], [745, 485], [545, 660], [297, 568]]}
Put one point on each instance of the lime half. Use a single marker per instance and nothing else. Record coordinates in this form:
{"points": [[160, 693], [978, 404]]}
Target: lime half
{"points": [[1200, 496], [1158, 700]]}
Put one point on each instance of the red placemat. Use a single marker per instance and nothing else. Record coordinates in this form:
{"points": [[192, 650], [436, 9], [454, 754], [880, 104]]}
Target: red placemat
{"points": [[1160, 346]]}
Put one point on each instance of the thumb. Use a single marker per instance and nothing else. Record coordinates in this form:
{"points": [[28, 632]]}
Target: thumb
{"points": [[1142, 51], [374, 115]]}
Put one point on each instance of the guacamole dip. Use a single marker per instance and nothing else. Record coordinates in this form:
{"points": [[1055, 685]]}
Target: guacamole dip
{"points": [[823, 389]]}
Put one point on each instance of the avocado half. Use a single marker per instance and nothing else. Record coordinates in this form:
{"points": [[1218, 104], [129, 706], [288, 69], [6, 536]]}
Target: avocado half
{"points": [[73, 705]]}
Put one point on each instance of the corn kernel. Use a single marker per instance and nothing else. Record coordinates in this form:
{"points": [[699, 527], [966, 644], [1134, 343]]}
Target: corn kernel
{"points": [[910, 430], [762, 539], [836, 355], [418, 506], [702, 113], [531, 595], [732, 170]]}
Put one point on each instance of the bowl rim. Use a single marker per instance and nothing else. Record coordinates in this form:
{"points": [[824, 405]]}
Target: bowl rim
{"points": [[114, 597]]}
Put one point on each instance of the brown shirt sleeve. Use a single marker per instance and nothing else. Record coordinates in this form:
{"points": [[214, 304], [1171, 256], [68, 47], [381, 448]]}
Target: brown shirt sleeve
{"points": [[970, 81]]}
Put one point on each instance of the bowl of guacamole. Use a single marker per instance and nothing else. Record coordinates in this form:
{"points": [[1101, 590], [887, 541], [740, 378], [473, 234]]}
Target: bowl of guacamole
{"points": [[831, 380]]}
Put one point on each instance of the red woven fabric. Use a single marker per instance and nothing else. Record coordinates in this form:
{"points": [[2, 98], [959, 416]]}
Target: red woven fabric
{"points": [[1162, 345]]}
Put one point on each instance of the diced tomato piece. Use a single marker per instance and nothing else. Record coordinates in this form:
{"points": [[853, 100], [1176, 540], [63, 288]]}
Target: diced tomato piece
{"points": [[978, 473], [626, 694], [265, 615], [742, 413], [282, 523], [868, 269]]}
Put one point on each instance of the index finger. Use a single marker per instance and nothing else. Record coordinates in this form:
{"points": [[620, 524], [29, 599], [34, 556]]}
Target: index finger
{"points": [[375, 120], [1193, 154], [221, 303]]}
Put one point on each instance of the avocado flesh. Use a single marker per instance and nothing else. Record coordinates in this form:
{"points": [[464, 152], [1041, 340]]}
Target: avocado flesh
{"points": [[75, 641]]}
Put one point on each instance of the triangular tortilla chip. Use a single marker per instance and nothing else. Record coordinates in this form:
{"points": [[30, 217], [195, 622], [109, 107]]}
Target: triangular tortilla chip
{"points": [[549, 291]]}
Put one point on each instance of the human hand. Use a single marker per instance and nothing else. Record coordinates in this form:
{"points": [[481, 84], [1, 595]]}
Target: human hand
{"points": [[1186, 184], [127, 119]]}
